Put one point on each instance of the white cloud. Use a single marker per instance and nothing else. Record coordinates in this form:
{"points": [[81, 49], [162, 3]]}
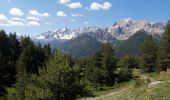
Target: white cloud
{"points": [[16, 12], [61, 14], [72, 20], [98, 6], [36, 13], [33, 23], [75, 5], [95, 6], [33, 18], [4, 21], [107, 5], [48, 23], [64, 1], [77, 15], [86, 22], [18, 19]]}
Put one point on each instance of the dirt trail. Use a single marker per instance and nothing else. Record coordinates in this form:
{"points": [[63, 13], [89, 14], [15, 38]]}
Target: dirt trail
{"points": [[107, 96], [114, 93], [147, 77]]}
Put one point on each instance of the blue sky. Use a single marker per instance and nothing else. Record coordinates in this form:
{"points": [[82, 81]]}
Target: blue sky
{"points": [[32, 17]]}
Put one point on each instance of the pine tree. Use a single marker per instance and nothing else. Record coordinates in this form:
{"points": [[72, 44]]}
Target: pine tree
{"points": [[5, 68], [14, 49], [60, 80], [25, 41], [35, 55], [21, 75], [108, 63], [149, 55], [124, 71], [14, 52], [164, 50], [47, 52], [93, 72]]}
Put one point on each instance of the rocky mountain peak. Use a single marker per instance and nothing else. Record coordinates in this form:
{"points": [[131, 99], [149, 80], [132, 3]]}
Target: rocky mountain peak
{"points": [[120, 30]]}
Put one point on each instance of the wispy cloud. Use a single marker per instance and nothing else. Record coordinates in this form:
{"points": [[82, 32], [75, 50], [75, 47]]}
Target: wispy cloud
{"points": [[48, 23], [77, 15], [4, 21], [36, 13], [33, 18], [33, 23], [18, 19], [98, 6]]}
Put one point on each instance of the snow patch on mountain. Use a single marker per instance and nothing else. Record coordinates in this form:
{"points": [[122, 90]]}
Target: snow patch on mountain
{"points": [[125, 28], [121, 30]]}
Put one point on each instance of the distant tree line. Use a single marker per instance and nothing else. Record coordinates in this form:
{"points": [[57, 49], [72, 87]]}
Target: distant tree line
{"points": [[35, 72]]}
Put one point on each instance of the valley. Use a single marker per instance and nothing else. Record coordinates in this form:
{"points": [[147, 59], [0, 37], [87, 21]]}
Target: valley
{"points": [[84, 50]]}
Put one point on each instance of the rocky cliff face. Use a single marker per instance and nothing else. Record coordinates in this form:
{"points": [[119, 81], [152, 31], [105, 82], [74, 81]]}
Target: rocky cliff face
{"points": [[121, 30], [125, 28]]}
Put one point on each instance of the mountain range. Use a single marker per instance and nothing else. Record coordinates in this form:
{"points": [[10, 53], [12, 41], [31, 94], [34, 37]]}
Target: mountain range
{"points": [[126, 35]]}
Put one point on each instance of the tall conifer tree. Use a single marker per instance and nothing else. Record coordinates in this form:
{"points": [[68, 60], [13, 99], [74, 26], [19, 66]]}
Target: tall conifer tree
{"points": [[149, 54], [164, 50]]}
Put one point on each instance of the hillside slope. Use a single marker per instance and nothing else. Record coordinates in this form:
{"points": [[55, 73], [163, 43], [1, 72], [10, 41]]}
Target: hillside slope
{"points": [[133, 45], [81, 46], [85, 45]]}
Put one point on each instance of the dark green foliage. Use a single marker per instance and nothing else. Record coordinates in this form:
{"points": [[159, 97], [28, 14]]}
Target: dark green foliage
{"points": [[9, 53], [47, 51], [31, 59], [21, 75], [14, 49], [107, 63], [36, 56], [124, 70], [43, 75], [61, 80], [164, 50], [4, 56], [93, 71], [99, 69], [129, 62], [4, 47], [103, 69], [123, 74], [149, 55]]}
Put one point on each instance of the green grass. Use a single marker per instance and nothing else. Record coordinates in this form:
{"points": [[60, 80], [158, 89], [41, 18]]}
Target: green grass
{"points": [[102, 90], [137, 92], [163, 91], [159, 92], [157, 76]]}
